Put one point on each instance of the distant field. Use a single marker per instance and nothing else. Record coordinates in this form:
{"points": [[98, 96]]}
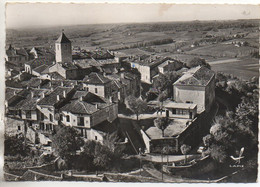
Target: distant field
{"points": [[242, 68]]}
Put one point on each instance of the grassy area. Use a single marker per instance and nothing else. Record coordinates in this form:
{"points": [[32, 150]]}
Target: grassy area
{"points": [[244, 68]]}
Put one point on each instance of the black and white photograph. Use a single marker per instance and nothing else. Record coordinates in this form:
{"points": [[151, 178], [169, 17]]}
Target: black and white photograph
{"points": [[131, 93]]}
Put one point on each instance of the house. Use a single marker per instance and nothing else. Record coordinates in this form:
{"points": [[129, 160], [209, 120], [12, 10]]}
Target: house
{"points": [[196, 86], [147, 66], [180, 110], [70, 70], [22, 105], [86, 110], [49, 105], [38, 64], [170, 65], [126, 83], [98, 84], [42, 52], [16, 55]]}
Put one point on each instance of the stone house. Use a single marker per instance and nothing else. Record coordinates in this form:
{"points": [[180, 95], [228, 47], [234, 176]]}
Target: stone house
{"points": [[125, 84], [86, 110], [147, 66], [170, 65], [42, 52], [16, 55], [49, 105], [98, 84], [196, 86], [37, 63]]}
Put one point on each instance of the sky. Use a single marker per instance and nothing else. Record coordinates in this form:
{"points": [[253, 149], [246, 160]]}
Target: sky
{"points": [[27, 15]]}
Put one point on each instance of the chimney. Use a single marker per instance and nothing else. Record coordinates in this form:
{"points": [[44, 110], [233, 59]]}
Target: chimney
{"points": [[58, 97], [61, 84], [64, 94], [81, 98], [43, 95], [50, 84], [110, 99], [32, 94], [122, 75], [96, 106]]}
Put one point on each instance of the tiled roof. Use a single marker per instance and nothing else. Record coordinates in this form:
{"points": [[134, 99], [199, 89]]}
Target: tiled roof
{"points": [[63, 39], [16, 52], [38, 62], [56, 76], [68, 65], [198, 76], [86, 63], [10, 92], [34, 82], [41, 68], [51, 99], [151, 61], [89, 104], [25, 101], [63, 83], [95, 78]]}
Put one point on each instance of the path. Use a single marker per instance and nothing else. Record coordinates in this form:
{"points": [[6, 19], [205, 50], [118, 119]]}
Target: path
{"points": [[232, 60], [158, 175], [141, 116]]}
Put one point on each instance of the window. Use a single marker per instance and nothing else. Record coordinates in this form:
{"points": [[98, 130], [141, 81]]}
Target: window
{"points": [[96, 91], [41, 126], [28, 114], [19, 128], [95, 137], [47, 127], [42, 116], [51, 117], [81, 121], [68, 118]]}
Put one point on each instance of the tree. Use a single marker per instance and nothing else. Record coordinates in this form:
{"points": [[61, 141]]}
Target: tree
{"points": [[103, 156], [185, 149], [136, 105], [218, 153], [162, 97], [66, 142], [207, 140], [196, 61], [14, 145], [166, 150], [162, 123]]}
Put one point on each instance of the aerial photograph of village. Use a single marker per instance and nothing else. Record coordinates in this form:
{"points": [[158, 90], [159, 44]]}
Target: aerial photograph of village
{"points": [[146, 95]]}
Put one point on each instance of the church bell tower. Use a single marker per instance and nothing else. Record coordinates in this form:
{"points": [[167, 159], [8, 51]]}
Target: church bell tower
{"points": [[63, 49]]}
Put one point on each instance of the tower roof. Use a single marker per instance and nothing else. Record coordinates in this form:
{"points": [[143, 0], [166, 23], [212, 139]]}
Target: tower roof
{"points": [[63, 38]]}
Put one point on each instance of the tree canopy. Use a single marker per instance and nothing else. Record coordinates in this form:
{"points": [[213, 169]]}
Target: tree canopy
{"points": [[162, 123], [196, 61], [136, 105], [66, 142]]}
